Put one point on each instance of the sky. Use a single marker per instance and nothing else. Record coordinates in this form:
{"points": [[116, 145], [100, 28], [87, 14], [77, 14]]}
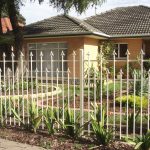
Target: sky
{"points": [[33, 12]]}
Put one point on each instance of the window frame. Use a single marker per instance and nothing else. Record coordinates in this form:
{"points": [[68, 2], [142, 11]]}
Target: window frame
{"points": [[36, 49], [118, 44]]}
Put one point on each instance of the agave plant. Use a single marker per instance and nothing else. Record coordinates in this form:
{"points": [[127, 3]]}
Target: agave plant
{"points": [[143, 143]]}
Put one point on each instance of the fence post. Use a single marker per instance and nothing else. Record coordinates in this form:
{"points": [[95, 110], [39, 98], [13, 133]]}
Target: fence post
{"points": [[141, 105], [81, 87]]}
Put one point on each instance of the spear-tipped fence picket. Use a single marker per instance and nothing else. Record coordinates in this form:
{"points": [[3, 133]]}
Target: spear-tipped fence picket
{"points": [[56, 88]]}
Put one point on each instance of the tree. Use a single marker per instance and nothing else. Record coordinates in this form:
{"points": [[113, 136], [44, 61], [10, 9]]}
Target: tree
{"points": [[79, 5]]}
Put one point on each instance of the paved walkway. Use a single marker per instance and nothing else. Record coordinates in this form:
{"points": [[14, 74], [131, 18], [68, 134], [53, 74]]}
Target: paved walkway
{"points": [[10, 145]]}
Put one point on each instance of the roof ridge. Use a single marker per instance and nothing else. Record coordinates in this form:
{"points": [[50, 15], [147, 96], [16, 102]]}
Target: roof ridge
{"points": [[116, 8], [84, 24], [77, 21]]}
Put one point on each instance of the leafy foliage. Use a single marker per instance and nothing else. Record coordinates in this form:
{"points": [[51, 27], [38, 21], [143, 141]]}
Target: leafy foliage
{"points": [[107, 49], [138, 82], [50, 120], [131, 120], [102, 135], [71, 128], [131, 101], [79, 5], [90, 72], [35, 118], [143, 143]]}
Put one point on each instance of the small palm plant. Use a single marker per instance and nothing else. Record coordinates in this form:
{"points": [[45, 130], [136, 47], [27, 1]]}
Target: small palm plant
{"points": [[143, 143], [102, 135]]}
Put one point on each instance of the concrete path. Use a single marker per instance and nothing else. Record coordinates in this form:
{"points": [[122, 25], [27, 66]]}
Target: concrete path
{"points": [[10, 145]]}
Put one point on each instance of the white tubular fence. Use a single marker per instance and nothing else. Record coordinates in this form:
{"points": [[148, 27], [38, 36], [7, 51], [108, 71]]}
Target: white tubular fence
{"points": [[122, 93]]}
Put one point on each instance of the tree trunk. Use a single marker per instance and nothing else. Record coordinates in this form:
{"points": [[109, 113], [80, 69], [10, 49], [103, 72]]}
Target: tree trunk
{"points": [[17, 30], [0, 22]]}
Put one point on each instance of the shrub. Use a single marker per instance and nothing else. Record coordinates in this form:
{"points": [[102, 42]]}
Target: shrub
{"points": [[131, 101]]}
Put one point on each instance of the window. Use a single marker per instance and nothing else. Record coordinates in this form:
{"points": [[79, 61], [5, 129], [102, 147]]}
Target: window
{"points": [[121, 50], [46, 48]]}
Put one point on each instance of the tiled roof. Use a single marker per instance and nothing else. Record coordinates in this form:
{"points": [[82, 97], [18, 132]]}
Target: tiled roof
{"points": [[61, 25], [123, 21], [120, 22]]}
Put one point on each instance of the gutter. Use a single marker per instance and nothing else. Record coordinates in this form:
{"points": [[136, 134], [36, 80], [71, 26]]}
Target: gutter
{"points": [[66, 34], [130, 36]]}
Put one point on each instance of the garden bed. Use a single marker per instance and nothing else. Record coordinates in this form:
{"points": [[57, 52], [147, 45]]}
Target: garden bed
{"points": [[57, 141]]}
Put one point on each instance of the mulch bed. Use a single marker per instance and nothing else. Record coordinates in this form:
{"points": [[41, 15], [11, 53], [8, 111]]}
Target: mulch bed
{"points": [[57, 141]]}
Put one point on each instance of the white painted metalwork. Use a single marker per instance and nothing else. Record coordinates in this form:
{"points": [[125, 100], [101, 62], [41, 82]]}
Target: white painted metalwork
{"points": [[127, 122], [121, 73], [18, 92], [68, 74], [9, 106], [4, 69], [47, 89], [81, 87], [74, 85], [41, 64], [58, 107], [20, 86], [134, 92], [101, 81], [114, 91], [13, 81], [22, 81], [52, 86], [27, 79], [107, 104], [63, 103], [37, 92], [148, 107], [141, 106], [31, 63], [88, 84]]}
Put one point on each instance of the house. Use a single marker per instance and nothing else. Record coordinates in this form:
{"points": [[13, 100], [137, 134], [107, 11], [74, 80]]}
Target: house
{"points": [[128, 27]]}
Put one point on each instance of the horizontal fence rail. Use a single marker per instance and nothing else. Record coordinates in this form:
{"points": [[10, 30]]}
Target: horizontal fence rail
{"points": [[90, 89]]}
